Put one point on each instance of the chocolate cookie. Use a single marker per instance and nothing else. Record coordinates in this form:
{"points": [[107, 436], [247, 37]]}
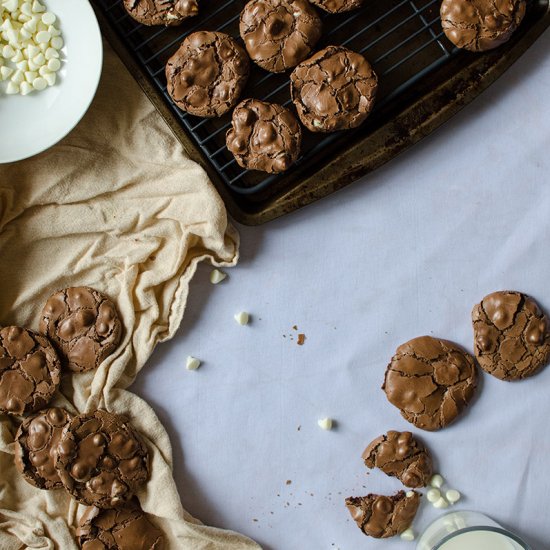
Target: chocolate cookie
{"points": [[431, 381], [479, 25], [278, 34], [338, 6], [381, 517], [400, 455], [207, 74], [121, 529], [264, 136], [333, 90], [161, 12], [511, 335], [35, 445], [83, 325], [101, 460], [30, 370]]}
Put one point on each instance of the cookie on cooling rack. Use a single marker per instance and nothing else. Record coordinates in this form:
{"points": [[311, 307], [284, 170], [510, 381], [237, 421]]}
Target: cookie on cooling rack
{"points": [[278, 34], [264, 136], [161, 12], [207, 74], [338, 6]]}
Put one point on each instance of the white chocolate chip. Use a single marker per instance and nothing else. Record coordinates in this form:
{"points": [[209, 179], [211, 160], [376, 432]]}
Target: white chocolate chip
{"points": [[317, 123], [18, 76], [433, 495], [30, 76], [39, 83], [12, 88], [54, 65], [436, 481], [242, 318], [452, 495], [409, 494], [325, 423], [217, 276], [48, 18], [441, 503], [56, 42], [37, 7], [408, 534], [192, 363], [25, 88], [5, 72], [50, 78], [51, 53], [39, 59], [43, 37]]}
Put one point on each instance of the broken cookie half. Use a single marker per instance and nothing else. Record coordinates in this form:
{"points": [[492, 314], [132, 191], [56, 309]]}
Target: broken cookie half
{"points": [[400, 455], [382, 516]]}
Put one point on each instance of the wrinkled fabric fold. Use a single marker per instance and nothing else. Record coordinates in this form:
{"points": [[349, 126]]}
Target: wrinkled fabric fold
{"points": [[116, 206]]}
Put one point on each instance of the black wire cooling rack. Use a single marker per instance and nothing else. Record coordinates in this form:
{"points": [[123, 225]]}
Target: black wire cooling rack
{"points": [[402, 39]]}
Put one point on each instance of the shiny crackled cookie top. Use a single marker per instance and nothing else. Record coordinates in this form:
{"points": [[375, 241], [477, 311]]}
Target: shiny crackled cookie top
{"points": [[161, 12], [431, 381], [278, 34], [101, 460], [511, 335], [30, 370], [479, 25], [333, 90], [83, 325]]}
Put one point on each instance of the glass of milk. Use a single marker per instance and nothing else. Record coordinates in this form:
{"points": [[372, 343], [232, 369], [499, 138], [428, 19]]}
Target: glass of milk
{"points": [[468, 531]]}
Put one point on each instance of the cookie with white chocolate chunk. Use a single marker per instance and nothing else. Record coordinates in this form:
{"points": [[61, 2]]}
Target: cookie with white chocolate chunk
{"points": [[401, 455], [511, 335], [83, 325], [264, 136], [35, 446], [30, 370], [381, 516], [101, 460], [161, 12], [126, 528]]}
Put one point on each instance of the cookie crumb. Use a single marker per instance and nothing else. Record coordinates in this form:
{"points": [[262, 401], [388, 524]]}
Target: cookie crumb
{"points": [[301, 339]]}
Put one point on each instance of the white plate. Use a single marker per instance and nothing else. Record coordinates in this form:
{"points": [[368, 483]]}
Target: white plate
{"points": [[32, 123]]}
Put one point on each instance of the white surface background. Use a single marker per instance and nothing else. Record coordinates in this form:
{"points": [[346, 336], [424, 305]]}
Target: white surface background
{"points": [[407, 251]]}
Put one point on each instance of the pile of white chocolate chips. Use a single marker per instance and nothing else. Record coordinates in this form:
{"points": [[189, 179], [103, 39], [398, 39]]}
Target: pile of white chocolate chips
{"points": [[29, 46]]}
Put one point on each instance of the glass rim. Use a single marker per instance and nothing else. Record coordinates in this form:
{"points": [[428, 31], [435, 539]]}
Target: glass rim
{"points": [[499, 530]]}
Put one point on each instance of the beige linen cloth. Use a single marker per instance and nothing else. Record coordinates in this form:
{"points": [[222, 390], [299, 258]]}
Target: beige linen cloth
{"points": [[116, 206]]}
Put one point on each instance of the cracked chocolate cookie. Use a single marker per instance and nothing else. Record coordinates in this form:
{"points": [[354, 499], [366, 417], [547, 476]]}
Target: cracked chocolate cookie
{"points": [[207, 74], [101, 460], [264, 136], [400, 455], [333, 90], [511, 335], [431, 381], [83, 325], [30, 370], [380, 516], [479, 25], [125, 528], [278, 34], [338, 6], [35, 445], [161, 12]]}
